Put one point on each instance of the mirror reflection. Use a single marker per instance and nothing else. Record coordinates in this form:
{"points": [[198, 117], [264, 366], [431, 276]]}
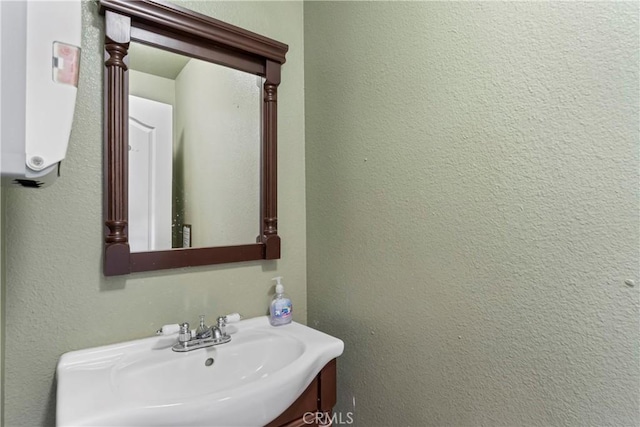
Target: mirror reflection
{"points": [[194, 152]]}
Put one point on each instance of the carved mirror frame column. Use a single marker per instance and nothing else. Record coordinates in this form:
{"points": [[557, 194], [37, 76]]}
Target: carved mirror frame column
{"points": [[179, 30]]}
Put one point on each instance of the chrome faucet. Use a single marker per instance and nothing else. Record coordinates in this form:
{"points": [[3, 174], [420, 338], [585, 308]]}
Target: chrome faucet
{"points": [[205, 336]]}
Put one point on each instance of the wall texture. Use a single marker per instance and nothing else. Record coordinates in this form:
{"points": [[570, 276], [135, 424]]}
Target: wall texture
{"points": [[56, 297], [152, 87], [472, 199], [219, 153], [2, 300]]}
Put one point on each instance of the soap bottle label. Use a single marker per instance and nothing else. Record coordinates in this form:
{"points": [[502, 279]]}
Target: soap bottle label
{"points": [[283, 309]]}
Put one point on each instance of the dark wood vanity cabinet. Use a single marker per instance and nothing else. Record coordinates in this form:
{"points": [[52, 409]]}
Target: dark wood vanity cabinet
{"points": [[319, 397]]}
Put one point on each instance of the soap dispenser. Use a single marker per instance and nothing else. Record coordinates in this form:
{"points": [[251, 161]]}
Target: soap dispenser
{"points": [[281, 309]]}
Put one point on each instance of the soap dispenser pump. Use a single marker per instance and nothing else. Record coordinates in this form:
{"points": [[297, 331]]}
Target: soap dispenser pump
{"points": [[281, 309]]}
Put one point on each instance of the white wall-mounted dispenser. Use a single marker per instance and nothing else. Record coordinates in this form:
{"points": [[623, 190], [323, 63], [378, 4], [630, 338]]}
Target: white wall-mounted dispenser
{"points": [[39, 67]]}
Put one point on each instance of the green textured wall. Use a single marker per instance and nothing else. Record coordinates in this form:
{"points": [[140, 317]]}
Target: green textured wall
{"points": [[2, 299], [472, 209], [56, 297]]}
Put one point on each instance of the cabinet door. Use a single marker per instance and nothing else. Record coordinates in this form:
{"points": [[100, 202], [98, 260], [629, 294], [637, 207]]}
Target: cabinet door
{"points": [[319, 398], [307, 402]]}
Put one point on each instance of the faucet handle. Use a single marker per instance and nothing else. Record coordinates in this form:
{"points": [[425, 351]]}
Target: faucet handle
{"points": [[229, 318], [169, 329], [185, 333], [232, 317]]}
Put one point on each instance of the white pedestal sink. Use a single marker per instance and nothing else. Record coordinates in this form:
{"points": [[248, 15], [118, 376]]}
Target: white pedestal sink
{"points": [[251, 381]]}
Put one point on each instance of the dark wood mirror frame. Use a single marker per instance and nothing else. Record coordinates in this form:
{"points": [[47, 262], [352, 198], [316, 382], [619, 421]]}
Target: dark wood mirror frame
{"points": [[179, 30]]}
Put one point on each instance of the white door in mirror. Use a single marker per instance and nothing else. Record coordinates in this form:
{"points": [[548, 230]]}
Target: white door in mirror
{"points": [[150, 177]]}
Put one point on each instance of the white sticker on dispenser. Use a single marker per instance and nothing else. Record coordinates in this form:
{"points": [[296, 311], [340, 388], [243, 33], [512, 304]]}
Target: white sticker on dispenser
{"points": [[66, 63]]}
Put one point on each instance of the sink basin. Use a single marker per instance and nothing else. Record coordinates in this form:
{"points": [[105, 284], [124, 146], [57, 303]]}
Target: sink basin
{"points": [[246, 382]]}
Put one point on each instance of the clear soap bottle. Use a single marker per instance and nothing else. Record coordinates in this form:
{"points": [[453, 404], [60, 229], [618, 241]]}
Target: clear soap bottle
{"points": [[281, 309]]}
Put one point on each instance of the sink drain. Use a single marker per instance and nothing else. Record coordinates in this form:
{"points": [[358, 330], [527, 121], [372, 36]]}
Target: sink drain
{"points": [[208, 362]]}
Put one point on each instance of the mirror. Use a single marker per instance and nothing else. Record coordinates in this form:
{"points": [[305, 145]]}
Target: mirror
{"points": [[194, 152], [190, 139]]}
